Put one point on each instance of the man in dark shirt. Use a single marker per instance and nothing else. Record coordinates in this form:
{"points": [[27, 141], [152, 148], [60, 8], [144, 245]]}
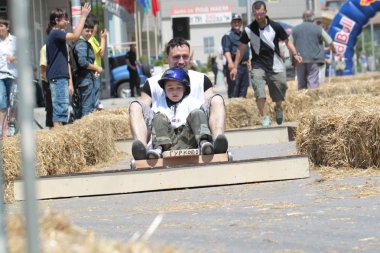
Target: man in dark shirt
{"points": [[267, 66], [230, 44], [134, 79]]}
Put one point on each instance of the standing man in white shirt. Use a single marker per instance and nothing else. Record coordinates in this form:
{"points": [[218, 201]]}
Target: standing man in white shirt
{"points": [[8, 71]]}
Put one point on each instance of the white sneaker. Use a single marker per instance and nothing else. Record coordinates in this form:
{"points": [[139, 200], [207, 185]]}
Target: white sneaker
{"points": [[154, 153], [11, 130], [206, 148], [265, 121]]}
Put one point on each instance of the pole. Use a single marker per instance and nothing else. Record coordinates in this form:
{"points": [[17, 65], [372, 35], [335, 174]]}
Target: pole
{"points": [[330, 65], [249, 9], [106, 53], [363, 42], [148, 36], [136, 27], [373, 45], [3, 242], [76, 12], [19, 14], [139, 51], [155, 37]]}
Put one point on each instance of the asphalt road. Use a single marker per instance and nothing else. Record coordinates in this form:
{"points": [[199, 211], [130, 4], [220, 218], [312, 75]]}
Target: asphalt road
{"points": [[307, 215]]}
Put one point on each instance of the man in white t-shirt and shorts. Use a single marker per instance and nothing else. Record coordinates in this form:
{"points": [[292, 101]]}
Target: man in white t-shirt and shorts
{"points": [[141, 114]]}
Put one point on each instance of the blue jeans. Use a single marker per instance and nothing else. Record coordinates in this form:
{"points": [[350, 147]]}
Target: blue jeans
{"points": [[6, 86], [85, 94], [97, 84], [60, 99], [241, 81]]}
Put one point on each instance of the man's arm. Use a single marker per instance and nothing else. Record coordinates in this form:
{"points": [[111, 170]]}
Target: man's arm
{"points": [[293, 50], [146, 94], [327, 39], [230, 62], [71, 85], [129, 63], [238, 56]]}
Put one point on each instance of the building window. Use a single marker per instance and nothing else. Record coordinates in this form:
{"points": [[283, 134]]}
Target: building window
{"points": [[208, 45]]}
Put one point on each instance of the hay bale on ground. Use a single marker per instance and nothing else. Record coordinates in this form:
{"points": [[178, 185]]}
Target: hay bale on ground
{"points": [[342, 132], [241, 112], [96, 138], [58, 235], [119, 120], [64, 150]]}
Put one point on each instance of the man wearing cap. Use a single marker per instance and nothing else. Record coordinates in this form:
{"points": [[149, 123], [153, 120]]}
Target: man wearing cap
{"points": [[230, 44]]}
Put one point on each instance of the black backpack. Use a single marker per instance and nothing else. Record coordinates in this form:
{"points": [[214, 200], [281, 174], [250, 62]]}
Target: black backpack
{"points": [[75, 68], [73, 61]]}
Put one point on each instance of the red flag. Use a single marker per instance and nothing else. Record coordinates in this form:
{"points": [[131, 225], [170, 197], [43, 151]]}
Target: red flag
{"points": [[129, 5], [155, 7]]}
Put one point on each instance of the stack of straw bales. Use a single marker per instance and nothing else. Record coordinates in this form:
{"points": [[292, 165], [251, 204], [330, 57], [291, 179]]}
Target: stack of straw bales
{"points": [[58, 235], [342, 131], [69, 149]]}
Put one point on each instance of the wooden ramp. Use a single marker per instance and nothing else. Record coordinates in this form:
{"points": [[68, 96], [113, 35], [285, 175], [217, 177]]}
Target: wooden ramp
{"points": [[141, 180], [242, 137], [188, 160]]}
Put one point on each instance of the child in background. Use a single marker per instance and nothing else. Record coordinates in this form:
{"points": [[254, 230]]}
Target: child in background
{"points": [[86, 74], [57, 71], [99, 50], [179, 122]]}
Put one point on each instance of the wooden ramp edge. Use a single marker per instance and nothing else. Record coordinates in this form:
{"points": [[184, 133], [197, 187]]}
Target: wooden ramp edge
{"points": [[142, 180], [188, 160], [241, 137]]}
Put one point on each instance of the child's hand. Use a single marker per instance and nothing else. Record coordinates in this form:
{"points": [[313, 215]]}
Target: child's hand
{"points": [[99, 70], [86, 9], [104, 34]]}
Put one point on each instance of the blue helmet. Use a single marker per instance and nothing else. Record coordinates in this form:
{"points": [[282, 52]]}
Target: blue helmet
{"points": [[176, 74]]}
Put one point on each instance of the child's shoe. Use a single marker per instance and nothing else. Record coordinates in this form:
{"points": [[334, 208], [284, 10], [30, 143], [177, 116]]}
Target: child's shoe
{"points": [[154, 153], [206, 147]]}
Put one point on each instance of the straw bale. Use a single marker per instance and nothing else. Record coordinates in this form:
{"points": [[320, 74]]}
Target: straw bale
{"points": [[59, 235], [96, 137], [343, 131], [317, 136], [119, 119], [59, 151], [241, 112]]}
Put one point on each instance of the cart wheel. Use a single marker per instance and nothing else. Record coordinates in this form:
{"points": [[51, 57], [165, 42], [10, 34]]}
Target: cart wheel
{"points": [[230, 158], [133, 164]]}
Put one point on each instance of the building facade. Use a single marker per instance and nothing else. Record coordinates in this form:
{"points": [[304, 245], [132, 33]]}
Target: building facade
{"points": [[210, 20]]}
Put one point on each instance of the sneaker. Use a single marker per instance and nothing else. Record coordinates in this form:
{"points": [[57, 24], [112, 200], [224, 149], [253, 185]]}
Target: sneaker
{"points": [[100, 107], [265, 121], [206, 148], [279, 115], [154, 153], [11, 130], [138, 150], [220, 144]]}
